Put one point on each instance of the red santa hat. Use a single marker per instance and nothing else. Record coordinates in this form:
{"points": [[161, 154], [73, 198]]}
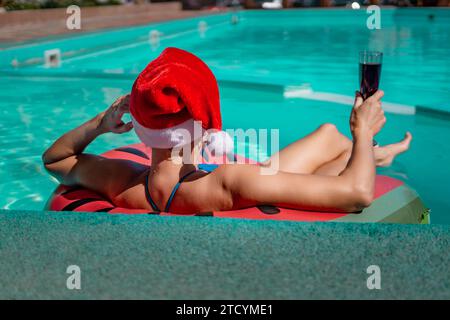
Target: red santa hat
{"points": [[177, 91]]}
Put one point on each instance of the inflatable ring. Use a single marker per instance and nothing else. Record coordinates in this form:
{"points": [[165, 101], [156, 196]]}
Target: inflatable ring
{"points": [[394, 201]]}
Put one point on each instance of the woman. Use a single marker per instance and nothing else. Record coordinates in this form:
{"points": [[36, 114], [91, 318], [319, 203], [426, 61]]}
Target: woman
{"points": [[325, 171]]}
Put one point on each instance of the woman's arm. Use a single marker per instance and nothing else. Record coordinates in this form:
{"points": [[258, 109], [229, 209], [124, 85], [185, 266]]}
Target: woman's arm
{"points": [[351, 191], [70, 144], [66, 161]]}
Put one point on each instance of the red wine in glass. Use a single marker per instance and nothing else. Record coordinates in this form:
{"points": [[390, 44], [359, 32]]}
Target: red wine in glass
{"points": [[369, 74], [369, 78]]}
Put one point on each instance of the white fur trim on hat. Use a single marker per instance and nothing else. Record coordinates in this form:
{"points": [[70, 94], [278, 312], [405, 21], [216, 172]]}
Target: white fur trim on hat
{"points": [[168, 138], [217, 142]]}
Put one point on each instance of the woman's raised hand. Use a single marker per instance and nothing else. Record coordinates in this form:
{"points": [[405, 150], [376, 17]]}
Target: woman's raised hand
{"points": [[111, 119], [368, 114]]}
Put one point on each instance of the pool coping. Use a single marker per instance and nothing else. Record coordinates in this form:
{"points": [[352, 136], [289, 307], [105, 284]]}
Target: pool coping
{"points": [[109, 11], [151, 257]]}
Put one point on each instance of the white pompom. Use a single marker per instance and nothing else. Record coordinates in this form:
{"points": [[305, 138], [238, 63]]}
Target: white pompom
{"points": [[219, 143]]}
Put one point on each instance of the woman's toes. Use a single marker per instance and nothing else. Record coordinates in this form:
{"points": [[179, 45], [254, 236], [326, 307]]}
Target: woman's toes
{"points": [[404, 144], [385, 155]]}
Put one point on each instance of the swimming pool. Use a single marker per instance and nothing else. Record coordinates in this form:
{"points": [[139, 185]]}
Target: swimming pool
{"points": [[290, 70]]}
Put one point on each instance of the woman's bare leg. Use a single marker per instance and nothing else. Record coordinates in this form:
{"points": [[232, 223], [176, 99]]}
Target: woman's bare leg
{"points": [[326, 152], [311, 152], [336, 166]]}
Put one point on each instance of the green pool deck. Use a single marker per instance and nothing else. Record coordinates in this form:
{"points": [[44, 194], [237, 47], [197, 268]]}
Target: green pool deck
{"points": [[151, 257]]}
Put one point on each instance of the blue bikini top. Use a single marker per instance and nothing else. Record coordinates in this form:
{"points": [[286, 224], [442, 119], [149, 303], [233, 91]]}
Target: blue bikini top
{"points": [[201, 167]]}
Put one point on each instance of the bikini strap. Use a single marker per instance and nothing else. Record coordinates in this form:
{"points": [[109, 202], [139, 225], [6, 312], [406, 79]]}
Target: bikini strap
{"points": [[175, 189], [149, 197]]}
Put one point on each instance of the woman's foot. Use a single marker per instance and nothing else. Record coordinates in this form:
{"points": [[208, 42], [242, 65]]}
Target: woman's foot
{"points": [[386, 154]]}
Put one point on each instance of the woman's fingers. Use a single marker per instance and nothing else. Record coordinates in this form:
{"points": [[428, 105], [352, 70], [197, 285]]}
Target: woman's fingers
{"points": [[376, 96], [368, 112], [122, 103], [379, 125], [379, 122], [358, 100], [124, 106], [124, 127]]}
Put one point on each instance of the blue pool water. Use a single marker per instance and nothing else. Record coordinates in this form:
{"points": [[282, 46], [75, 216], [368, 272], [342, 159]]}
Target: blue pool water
{"points": [[289, 70]]}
